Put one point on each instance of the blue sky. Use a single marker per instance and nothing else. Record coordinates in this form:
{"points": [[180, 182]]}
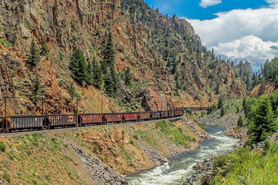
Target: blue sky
{"points": [[236, 29], [192, 10]]}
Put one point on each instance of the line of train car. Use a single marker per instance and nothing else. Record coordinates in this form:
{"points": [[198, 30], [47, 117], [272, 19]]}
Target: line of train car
{"points": [[20, 123]]}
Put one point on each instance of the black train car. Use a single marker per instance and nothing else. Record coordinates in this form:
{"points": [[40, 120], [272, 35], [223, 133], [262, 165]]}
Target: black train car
{"points": [[155, 115], [26, 122], [164, 114], [61, 120]]}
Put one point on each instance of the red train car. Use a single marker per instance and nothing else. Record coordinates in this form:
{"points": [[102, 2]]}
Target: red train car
{"points": [[113, 118], [131, 116], [62, 120], [144, 116], [87, 119], [178, 112]]}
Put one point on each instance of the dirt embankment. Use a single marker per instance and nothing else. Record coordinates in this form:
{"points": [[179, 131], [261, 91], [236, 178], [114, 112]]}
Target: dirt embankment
{"points": [[95, 155]]}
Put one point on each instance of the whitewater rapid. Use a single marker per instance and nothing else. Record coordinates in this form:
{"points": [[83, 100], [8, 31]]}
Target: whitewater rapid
{"points": [[180, 168]]}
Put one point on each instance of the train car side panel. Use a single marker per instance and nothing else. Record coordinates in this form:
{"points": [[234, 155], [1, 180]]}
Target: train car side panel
{"points": [[91, 118], [155, 115], [178, 112], [131, 116], [117, 117], [145, 115], [26, 122], [62, 120], [164, 114]]}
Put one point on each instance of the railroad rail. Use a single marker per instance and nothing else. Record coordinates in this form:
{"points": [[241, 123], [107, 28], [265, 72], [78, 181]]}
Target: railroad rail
{"points": [[47, 122]]}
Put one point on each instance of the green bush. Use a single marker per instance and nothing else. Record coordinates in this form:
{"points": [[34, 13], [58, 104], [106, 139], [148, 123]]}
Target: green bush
{"points": [[221, 161], [240, 121], [7, 177], [2, 147]]}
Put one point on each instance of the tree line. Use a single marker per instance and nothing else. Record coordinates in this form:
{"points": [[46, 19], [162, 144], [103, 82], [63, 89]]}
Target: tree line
{"points": [[261, 114], [101, 74]]}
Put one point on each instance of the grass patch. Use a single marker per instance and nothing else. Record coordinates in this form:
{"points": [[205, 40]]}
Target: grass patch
{"points": [[6, 43], [246, 167], [175, 133]]}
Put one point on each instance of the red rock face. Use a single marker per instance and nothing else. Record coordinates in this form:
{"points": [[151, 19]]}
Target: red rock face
{"points": [[144, 40]]}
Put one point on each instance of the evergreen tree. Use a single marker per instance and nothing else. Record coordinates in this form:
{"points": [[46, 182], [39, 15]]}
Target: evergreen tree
{"points": [[109, 53], [109, 85], [108, 67], [240, 121], [36, 89], [34, 55], [226, 80], [98, 77], [78, 66], [222, 113], [90, 73], [97, 73], [72, 91], [128, 78], [220, 103], [44, 50], [263, 123]]}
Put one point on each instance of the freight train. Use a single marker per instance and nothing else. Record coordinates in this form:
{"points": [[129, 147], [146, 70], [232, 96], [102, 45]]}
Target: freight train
{"points": [[29, 123]]}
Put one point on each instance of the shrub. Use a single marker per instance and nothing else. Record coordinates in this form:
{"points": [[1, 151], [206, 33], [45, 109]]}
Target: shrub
{"points": [[7, 177], [222, 111], [221, 161], [240, 121], [2, 147]]}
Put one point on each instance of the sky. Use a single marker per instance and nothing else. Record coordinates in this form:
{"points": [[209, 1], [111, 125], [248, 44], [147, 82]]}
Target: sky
{"points": [[235, 29]]}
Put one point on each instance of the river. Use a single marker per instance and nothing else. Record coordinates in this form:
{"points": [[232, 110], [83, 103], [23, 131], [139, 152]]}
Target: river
{"points": [[180, 168]]}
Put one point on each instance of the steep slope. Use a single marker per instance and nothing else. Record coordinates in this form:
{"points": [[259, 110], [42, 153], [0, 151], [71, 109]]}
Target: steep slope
{"points": [[169, 66]]}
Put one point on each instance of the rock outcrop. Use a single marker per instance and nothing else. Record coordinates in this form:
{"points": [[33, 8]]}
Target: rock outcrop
{"points": [[164, 54]]}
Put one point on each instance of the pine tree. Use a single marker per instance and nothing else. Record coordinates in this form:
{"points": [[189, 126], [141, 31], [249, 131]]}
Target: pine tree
{"points": [[72, 91], [109, 85], [98, 79], [240, 121], [90, 73], [34, 55], [97, 73], [79, 67], [36, 89], [128, 78], [109, 54], [108, 67], [44, 50], [220, 103], [222, 112], [226, 80], [263, 122]]}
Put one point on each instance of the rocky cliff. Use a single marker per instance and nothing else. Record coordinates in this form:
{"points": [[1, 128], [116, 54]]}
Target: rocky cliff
{"points": [[168, 63]]}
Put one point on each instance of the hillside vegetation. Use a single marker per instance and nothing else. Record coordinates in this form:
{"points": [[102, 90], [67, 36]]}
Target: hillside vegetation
{"points": [[96, 155], [121, 53], [246, 167]]}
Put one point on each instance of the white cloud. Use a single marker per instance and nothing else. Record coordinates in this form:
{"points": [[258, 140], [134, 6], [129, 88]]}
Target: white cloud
{"points": [[250, 48], [273, 3], [241, 28], [206, 3]]}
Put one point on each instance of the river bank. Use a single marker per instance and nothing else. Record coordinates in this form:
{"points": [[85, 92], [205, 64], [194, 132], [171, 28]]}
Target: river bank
{"points": [[95, 155], [177, 169]]}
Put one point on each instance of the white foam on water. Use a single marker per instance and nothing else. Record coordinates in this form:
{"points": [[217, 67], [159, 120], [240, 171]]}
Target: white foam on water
{"points": [[175, 171]]}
